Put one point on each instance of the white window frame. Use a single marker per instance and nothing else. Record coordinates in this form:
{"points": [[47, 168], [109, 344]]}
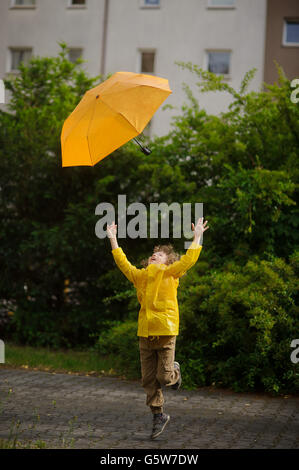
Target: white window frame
{"points": [[284, 33], [76, 7], [220, 7], [9, 62], [20, 7], [139, 60], [227, 76], [142, 4]]}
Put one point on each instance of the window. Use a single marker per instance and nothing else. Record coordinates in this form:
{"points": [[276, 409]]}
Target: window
{"points": [[291, 33], [18, 56], [147, 60], [221, 3], [150, 3], [74, 54], [218, 62], [77, 3], [147, 65], [23, 3]]}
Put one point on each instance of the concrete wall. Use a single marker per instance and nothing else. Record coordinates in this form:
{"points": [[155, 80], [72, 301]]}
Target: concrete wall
{"points": [[49, 23], [182, 31], [178, 31]]}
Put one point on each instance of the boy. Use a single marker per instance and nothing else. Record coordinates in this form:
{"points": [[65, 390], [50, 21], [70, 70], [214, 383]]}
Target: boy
{"points": [[158, 320]]}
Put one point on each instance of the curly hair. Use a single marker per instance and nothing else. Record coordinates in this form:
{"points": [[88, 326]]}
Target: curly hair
{"points": [[172, 256]]}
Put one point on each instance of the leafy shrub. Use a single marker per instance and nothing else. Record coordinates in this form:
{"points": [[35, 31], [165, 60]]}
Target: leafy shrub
{"points": [[237, 326], [67, 329], [122, 342]]}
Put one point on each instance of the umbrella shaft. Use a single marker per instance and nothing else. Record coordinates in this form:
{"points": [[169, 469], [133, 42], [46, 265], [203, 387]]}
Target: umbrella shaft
{"points": [[145, 150], [137, 141]]}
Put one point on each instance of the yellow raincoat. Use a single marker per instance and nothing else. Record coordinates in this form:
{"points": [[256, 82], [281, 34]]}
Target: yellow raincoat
{"points": [[156, 288]]}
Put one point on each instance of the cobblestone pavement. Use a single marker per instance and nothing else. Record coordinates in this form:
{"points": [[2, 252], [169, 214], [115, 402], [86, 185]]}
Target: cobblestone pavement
{"points": [[77, 411]]}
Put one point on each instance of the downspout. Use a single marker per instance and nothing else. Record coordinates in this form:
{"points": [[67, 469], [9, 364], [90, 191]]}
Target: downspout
{"points": [[104, 38]]}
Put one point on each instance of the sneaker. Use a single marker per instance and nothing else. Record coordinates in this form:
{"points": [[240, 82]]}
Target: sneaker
{"points": [[159, 423], [177, 385]]}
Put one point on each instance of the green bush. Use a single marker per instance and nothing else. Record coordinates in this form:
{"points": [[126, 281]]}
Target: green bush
{"points": [[121, 341], [67, 329], [237, 326], [35, 329]]}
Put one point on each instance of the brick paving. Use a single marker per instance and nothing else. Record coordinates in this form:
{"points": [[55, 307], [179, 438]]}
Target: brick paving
{"points": [[78, 411]]}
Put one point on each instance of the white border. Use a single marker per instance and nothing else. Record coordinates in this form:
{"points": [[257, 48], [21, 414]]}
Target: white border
{"points": [[2, 352], [284, 34], [2, 101]]}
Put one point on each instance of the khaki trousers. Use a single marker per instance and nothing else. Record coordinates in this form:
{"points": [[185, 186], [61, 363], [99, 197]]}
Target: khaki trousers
{"points": [[157, 355]]}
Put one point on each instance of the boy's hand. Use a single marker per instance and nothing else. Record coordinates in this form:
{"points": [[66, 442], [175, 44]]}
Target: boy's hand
{"points": [[111, 230], [199, 228]]}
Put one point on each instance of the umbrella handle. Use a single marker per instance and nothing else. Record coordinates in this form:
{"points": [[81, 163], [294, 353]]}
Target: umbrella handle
{"points": [[145, 150]]}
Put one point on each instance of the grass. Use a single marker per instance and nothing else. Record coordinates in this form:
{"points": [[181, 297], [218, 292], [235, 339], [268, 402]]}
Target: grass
{"points": [[16, 430], [15, 444], [64, 361]]}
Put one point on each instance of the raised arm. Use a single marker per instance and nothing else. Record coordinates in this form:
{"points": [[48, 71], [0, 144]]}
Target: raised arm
{"points": [[111, 233], [131, 272], [178, 268]]}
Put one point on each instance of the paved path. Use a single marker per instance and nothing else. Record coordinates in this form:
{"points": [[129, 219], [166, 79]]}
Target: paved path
{"points": [[77, 411]]}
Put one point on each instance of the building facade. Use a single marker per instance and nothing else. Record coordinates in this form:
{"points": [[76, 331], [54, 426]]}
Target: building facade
{"points": [[145, 36], [282, 39]]}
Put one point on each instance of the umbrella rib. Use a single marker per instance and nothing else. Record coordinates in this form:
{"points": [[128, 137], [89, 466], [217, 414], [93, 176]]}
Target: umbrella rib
{"points": [[69, 131], [149, 86], [118, 112], [91, 119]]}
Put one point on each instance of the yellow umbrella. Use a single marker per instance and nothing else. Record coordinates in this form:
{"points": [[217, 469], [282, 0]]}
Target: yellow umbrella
{"points": [[109, 115]]}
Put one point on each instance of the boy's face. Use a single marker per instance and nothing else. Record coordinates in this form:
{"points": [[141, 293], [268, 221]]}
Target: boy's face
{"points": [[159, 257]]}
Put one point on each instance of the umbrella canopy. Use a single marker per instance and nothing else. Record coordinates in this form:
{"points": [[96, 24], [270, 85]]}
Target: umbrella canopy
{"points": [[109, 115]]}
